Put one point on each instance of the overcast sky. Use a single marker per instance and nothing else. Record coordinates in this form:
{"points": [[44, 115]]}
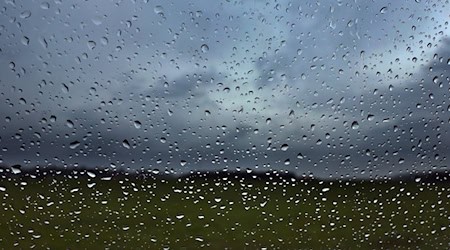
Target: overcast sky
{"points": [[332, 88]]}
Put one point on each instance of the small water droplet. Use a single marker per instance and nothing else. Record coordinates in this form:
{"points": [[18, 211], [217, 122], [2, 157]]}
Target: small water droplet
{"points": [[97, 20], [74, 144], [25, 14], [45, 5], [91, 45], [16, 169], [137, 124], [126, 144], [204, 48], [355, 125], [25, 40], [70, 124], [159, 10]]}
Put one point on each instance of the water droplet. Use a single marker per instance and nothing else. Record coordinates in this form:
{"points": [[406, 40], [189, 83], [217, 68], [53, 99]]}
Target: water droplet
{"points": [[137, 124], [159, 10], [70, 124], [74, 144], [126, 144], [25, 40], [16, 169], [204, 48], [104, 40], [97, 20], [91, 45], [45, 5], [383, 10], [355, 125], [90, 174], [284, 147], [25, 14]]}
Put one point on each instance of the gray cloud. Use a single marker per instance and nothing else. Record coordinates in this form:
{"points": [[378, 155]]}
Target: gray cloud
{"points": [[295, 73]]}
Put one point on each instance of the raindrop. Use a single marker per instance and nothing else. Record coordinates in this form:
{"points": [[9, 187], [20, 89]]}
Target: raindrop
{"points": [[284, 147], [70, 124], [383, 10], [90, 174], [25, 14], [104, 40], [91, 45], [126, 144], [97, 20], [74, 144], [16, 169], [45, 5], [159, 10], [355, 125], [204, 48], [137, 124], [25, 40]]}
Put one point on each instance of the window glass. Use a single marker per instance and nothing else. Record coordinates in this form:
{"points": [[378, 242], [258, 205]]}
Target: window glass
{"points": [[224, 124]]}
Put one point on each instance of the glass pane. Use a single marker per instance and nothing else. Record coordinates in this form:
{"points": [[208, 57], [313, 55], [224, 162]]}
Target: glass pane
{"points": [[224, 124]]}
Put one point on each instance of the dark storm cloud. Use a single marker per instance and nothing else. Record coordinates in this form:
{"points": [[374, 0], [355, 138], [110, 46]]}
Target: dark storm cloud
{"points": [[211, 85]]}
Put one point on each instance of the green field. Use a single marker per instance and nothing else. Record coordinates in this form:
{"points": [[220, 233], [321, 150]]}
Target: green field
{"points": [[217, 212]]}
